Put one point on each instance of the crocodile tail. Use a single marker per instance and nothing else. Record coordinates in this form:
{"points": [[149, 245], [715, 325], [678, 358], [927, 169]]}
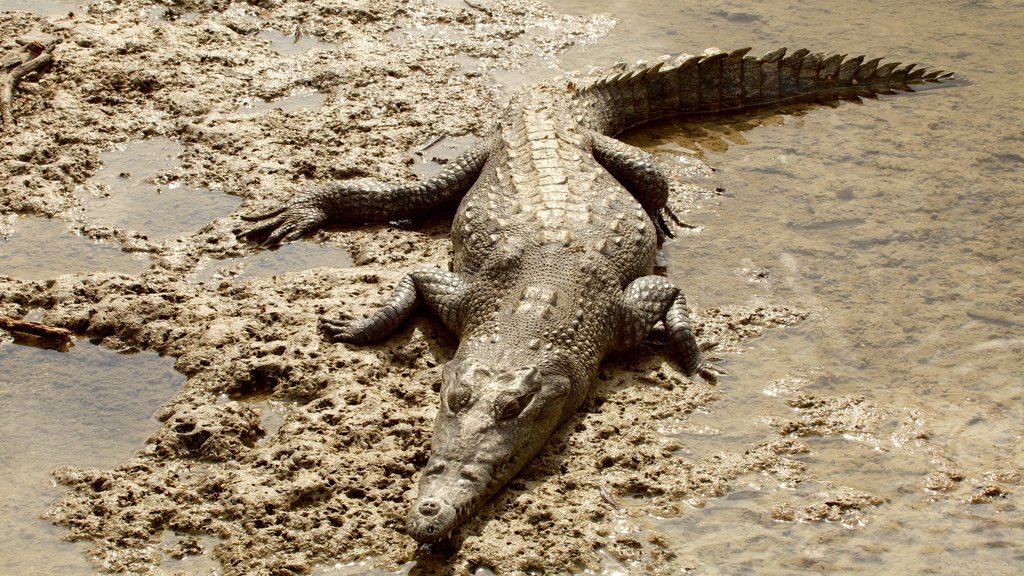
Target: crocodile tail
{"points": [[731, 81]]}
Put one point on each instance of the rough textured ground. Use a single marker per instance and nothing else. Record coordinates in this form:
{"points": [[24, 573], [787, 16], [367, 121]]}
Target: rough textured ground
{"points": [[332, 483]]}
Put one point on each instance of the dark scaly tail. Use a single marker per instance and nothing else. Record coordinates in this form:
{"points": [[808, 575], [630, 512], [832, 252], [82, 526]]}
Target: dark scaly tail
{"points": [[732, 81]]}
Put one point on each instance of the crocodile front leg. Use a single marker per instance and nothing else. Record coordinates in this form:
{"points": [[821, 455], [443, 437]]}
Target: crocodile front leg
{"points": [[442, 291], [365, 201], [638, 173], [650, 299]]}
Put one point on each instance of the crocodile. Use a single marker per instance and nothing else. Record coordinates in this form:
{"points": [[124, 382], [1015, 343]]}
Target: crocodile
{"points": [[554, 244]]}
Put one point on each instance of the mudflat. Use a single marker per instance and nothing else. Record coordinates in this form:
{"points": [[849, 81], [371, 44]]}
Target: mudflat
{"points": [[284, 454]]}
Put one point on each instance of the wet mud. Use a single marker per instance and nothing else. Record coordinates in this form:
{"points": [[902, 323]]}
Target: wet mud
{"points": [[282, 454]]}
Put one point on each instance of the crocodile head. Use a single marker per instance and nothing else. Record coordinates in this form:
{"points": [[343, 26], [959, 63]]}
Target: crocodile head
{"points": [[492, 421]]}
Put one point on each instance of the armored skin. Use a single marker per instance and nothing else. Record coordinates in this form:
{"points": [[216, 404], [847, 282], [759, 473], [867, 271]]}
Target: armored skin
{"points": [[554, 243]]}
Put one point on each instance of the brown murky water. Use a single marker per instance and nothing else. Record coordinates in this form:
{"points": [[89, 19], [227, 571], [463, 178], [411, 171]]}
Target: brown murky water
{"points": [[898, 223], [138, 189], [34, 248], [88, 406], [288, 258], [44, 7], [300, 101], [293, 43]]}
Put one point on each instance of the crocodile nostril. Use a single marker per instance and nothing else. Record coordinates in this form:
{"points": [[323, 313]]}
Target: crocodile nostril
{"points": [[429, 507]]}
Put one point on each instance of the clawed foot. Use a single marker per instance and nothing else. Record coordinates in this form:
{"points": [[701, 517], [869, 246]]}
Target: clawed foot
{"points": [[291, 222], [706, 368], [342, 329]]}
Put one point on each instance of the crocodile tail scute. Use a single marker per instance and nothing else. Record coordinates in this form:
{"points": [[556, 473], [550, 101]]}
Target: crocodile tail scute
{"points": [[730, 81]]}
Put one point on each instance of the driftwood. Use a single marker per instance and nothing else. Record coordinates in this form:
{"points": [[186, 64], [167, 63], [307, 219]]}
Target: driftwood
{"points": [[14, 66], [62, 335]]}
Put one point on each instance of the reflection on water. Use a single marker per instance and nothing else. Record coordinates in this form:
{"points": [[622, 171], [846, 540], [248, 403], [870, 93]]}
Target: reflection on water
{"points": [[298, 102], [294, 43], [188, 554], [898, 225], [87, 407], [44, 7], [33, 248], [292, 257], [432, 156], [136, 190], [366, 568]]}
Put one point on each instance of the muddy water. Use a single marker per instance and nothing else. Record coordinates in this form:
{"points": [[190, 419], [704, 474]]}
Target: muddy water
{"points": [[301, 101], [294, 43], [43, 7], [288, 258], [898, 225], [88, 407], [894, 224], [33, 248], [138, 189]]}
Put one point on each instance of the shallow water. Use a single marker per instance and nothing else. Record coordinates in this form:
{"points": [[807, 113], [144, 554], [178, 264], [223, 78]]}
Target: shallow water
{"points": [[293, 257], [298, 102], [897, 223], [43, 7], [88, 407], [34, 248], [294, 43], [431, 157], [136, 189]]}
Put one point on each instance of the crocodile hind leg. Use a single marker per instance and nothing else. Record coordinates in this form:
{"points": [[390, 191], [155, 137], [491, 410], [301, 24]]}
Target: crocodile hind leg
{"points": [[442, 291], [638, 173], [365, 201], [650, 299]]}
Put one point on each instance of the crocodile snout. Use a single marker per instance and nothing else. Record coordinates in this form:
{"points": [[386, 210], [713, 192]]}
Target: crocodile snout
{"points": [[430, 520], [429, 508]]}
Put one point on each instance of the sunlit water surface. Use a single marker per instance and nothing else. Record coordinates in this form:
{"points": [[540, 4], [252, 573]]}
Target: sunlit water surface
{"points": [[899, 224], [43, 7], [37, 248], [88, 407], [137, 189], [896, 223]]}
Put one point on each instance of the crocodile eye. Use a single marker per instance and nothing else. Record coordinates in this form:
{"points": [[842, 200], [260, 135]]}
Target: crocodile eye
{"points": [[509, 405], [458, 396]]}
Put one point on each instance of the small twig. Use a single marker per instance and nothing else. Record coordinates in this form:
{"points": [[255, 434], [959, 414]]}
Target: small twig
{"points": [[433, 142], [480, 8], [36, 329], [607, 496], [8, 80]]}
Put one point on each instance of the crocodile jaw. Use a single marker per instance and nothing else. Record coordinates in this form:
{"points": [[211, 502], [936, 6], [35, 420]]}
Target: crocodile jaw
{"points": [[479, 444], [430, 520], [458, 480]]}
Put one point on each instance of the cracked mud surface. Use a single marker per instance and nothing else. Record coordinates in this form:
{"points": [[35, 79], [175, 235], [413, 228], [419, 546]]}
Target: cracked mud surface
{"points": [[282, 453]]}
